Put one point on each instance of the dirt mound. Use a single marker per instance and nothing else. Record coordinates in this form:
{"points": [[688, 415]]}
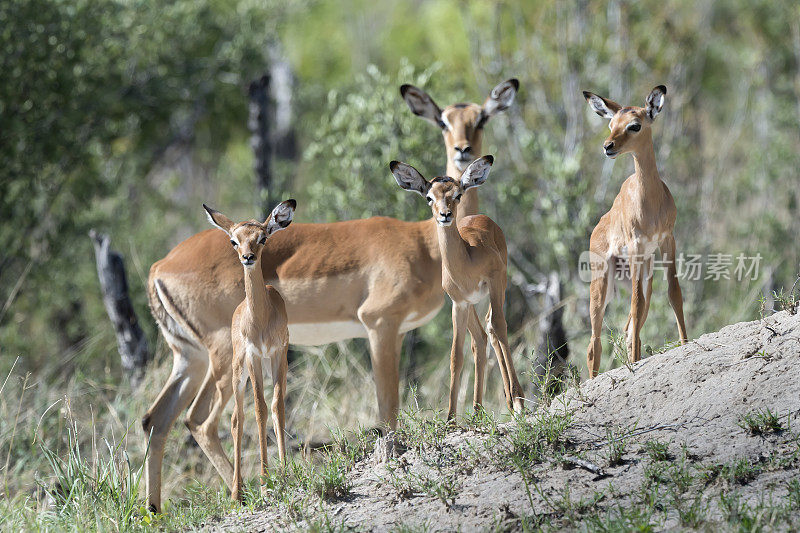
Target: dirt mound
{"points": [[702, 436]]}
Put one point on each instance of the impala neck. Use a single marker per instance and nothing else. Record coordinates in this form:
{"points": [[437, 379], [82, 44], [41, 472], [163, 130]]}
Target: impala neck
{"points": [[452, 247], [254, 290], [645, 170]]}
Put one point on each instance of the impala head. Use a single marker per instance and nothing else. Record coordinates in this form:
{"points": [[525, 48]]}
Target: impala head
{"points": [[630, 126], [442, 193], [461, 124], [248, 238]]}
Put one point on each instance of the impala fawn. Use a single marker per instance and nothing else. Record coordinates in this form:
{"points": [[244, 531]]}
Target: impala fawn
{"points": [[640, 221], [259, 330], [474, 264]]}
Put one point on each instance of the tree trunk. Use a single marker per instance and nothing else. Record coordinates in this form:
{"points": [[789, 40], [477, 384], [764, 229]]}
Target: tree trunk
{"points": [[553, 350], [131, 342], [259, 125], [271, 124], [284, 143]]}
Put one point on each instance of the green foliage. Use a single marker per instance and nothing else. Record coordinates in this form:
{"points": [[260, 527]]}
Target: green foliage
{"points": [[94, 98], [364, 127]]}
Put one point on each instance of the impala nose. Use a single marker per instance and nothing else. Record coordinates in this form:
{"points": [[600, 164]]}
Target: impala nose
{"points": [[609, 147], [248, 259], [463, 150]]}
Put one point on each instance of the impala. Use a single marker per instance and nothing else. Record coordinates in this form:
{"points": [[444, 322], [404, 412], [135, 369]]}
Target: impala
{"points": [[376, 278], [258, 331], [640, 221], [474, 266]]}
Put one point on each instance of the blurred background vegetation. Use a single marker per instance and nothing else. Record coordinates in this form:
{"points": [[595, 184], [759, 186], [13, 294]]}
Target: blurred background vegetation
{"points": [[125, 116]]}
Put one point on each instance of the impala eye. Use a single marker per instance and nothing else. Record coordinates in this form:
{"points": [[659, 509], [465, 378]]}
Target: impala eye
{"points": [[429, 199], [457, 197], [634, 127], [262, 240], [234, 243]]}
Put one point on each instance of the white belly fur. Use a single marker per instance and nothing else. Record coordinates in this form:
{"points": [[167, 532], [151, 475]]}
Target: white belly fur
{"points": [[413, 321], [316, 334], [310, 334]]}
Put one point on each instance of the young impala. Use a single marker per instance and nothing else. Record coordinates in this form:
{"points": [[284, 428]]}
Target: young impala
{"points": [[474, 266], [343, 280], [258, 331], [640, 221]]}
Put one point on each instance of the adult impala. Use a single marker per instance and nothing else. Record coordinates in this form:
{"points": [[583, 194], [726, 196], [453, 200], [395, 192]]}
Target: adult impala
{"points": [[376, 278], [640, 221], [474, 267]]}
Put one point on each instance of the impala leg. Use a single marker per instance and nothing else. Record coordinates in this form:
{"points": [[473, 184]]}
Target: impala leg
{"points": [[498, 335], [479, 344], [675, 296], [383, 332], [598, 293], [460, 317], [645, 307], [280, 366], [238, 383], [257, 381], [637, 303], [501, 363], [205, 412], [188, 367]]}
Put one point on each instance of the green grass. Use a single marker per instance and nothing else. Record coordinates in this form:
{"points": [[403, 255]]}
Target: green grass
{"points": [[762, 422], [617, 439], [657, 450]]}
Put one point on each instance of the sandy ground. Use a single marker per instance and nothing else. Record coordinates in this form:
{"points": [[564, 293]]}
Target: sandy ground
{"points": [[692, 396]]}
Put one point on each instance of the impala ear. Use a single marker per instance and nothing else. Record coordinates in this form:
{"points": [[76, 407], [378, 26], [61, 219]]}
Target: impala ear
{"points": [[421, 104], [477, 172], [602, 106], [409, 178], [218, 219], [499, 99], [281, 216], [655, 100]]}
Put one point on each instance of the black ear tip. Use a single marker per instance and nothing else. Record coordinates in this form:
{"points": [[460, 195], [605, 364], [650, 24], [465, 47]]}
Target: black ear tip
{"points": [[515, 83], [393, 165], [403, 89], [489, 159], [663, 88], [208, 209], [587, 94], [291, 202]]}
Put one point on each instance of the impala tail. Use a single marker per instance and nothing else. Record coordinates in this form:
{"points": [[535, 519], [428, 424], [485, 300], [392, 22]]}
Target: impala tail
{"points": [[168, 316]]}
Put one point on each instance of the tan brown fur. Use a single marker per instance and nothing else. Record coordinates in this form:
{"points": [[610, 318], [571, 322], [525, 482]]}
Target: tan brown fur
{"points": [[377, 273], [641, 218], [474, 266], [259, 330]]}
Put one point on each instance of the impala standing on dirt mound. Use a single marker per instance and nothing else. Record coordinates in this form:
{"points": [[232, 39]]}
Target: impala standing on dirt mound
{"points": [[376, 278], [258, 331], [640, 221], [474, 266]]}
